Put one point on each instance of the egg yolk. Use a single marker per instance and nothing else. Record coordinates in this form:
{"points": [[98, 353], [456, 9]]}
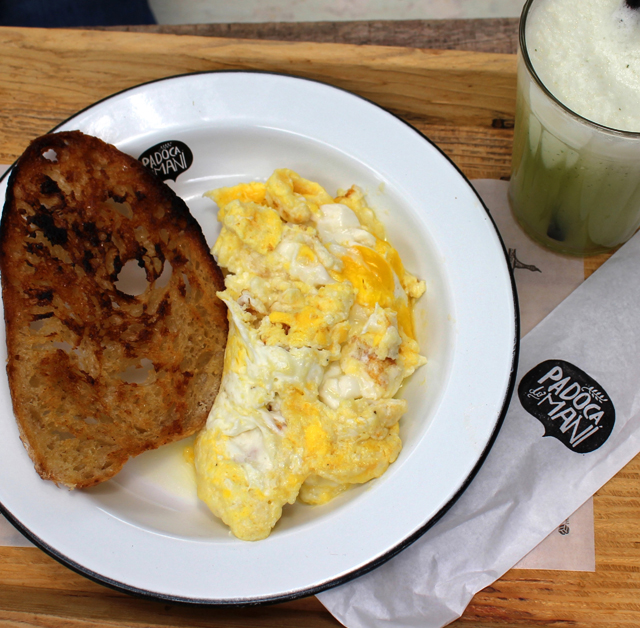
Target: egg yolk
{"points": [[372, 273], [243, 192]]}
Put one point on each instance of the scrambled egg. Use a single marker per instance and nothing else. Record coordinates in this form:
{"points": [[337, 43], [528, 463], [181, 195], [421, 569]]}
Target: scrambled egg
{"points": [[321, 338]]}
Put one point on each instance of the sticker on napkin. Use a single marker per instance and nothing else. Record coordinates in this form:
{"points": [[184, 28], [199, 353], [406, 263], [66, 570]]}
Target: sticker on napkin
{"points": [[571, 405], [529, 484]]}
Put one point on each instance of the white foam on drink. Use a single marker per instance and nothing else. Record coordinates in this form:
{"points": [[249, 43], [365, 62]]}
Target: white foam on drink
{"points": [[587, 54]]}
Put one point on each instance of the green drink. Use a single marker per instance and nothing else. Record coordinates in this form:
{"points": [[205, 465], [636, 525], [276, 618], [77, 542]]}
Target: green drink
{"points": [[575, 184]]}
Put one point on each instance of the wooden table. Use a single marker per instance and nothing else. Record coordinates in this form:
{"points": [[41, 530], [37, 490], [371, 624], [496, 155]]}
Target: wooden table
{"points": [[465, 102]]}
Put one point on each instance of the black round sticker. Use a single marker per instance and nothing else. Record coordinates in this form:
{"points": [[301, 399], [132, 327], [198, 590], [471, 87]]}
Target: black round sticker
{"points": [[570, 404], [167, 159]]}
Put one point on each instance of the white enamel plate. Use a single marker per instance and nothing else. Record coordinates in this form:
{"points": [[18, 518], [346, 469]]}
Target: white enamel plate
{"points": [[145, 531]]}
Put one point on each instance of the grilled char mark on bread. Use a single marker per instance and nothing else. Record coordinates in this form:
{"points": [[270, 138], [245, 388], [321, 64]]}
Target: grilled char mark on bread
{"points": [[97, 372]]}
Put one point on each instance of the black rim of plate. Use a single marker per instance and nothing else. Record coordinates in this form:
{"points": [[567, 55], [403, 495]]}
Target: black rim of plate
{"points": [[403, 544]]}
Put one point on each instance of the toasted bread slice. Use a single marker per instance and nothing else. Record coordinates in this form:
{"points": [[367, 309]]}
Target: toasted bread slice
{"points": [[97, 372]]}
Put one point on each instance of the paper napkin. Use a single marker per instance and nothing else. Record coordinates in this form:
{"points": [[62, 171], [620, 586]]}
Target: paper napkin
{"points": [[573, 423], [544, 279]]}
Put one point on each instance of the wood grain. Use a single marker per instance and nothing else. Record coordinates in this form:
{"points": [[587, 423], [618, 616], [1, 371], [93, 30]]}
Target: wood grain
{"points": [[477, 35], [462, 101], [78, 606], [444, 87]]}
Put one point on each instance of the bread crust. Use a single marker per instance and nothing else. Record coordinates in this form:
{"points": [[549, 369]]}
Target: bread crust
{"points": [[98, 373]]}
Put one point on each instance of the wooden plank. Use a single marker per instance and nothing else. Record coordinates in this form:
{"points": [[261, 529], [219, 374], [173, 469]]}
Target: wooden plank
{"points": [[481, 153], [444, 87], [48, 75], [478, 35], [63, 607]]}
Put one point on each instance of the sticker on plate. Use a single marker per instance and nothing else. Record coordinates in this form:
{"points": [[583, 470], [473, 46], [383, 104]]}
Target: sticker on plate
{"points": [[570, 404], [168, 159]]}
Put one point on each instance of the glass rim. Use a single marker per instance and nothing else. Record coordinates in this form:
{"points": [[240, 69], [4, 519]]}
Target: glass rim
{"points": [[522, 41]]}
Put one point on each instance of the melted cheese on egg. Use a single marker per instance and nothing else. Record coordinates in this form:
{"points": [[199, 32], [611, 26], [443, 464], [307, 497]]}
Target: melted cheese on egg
{"points": [[321, 338]]}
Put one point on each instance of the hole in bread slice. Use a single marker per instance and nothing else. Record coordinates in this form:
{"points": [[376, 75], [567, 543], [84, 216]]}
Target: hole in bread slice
{"points": [[50, 155], [143, 374], [36, 325], [123, 208], [165, 276], [132, 279]]}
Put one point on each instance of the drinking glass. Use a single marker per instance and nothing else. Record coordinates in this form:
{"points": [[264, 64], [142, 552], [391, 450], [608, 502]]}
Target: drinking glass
{"points": [[575, 184]]}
